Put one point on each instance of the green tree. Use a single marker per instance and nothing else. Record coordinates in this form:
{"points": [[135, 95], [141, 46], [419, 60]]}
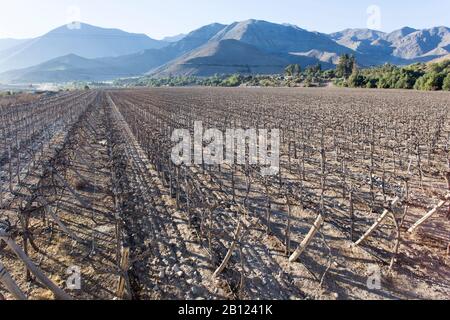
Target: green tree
{"points": [[292, 70], [340, 68], [431, 81], [354, 65], [297, 70], [446, 83], [317, 68], [289, 70], [345, 66], [329, 74]]}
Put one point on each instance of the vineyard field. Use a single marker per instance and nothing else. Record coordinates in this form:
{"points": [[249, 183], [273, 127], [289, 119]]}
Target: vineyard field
{"points": [[92, 205]]}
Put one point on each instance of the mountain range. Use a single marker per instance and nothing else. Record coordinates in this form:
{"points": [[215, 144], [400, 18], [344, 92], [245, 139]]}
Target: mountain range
{"points": [[89, 53]]}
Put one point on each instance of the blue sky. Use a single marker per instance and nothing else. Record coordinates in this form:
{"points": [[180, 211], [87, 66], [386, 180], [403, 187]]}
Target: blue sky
{"points": [[29, 18]]}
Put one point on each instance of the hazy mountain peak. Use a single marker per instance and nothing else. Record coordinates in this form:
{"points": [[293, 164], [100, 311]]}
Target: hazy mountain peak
{"points": [[206, 31], [81, 39], [399, 34], [175, 38], [357, 34], [407, 30], [69, 56], [84, 29], [193, 40]]}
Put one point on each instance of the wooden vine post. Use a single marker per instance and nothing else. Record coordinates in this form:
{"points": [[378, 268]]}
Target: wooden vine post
{"points": [[230, 251], [321, 217], [123, 278], [376, 224], [58, 292], [429, 214], [305, 243], [10, 285]]}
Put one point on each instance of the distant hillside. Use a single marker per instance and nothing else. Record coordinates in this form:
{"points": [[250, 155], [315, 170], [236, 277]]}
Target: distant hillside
{"points": [[229, 57], [371, 48], [363, 41], [193, 40], [9, 43], [406, 45], [110, 68], [172, 39], [278, 38], [64, 69], [145, 61], [87, 41], [250, 46], [265, 41], [424, 43], [441, 59]]}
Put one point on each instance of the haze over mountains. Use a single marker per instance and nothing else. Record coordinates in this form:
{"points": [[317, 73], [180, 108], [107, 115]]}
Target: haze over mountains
{"points": [[175, 38], [8, 43], [91, 53], [86, 40]]}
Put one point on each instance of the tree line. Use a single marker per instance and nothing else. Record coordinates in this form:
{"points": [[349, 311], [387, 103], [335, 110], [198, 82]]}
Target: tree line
{"points": [[419, 76]]}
